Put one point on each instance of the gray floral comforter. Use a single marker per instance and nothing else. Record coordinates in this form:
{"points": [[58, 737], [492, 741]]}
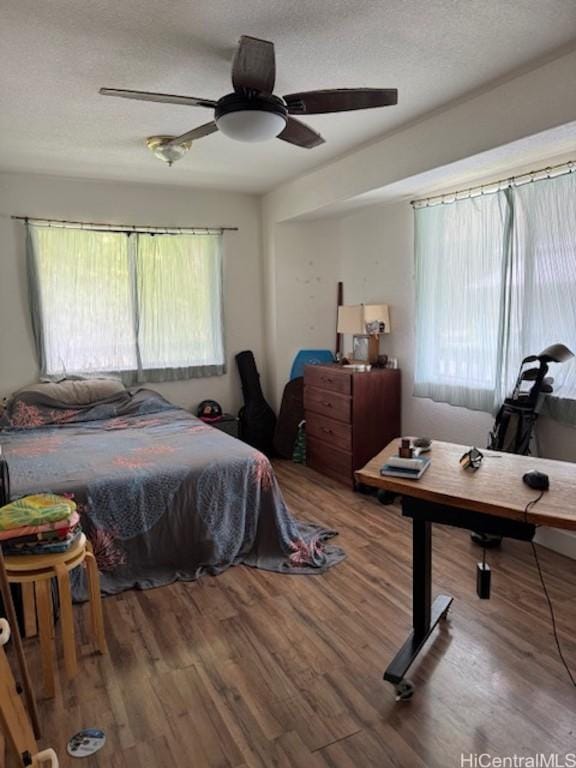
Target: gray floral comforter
{"points": [[162, 496]]}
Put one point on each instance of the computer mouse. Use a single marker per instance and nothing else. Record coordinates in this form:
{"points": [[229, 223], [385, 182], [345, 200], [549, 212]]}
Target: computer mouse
{"points": [[538, 481]]}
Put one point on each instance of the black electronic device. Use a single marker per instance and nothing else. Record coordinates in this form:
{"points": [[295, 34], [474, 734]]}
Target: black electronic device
{"points": [[538, 481], [483, 579]]}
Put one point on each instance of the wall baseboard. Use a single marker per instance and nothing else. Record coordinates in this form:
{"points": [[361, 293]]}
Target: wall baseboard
{"points": [[560, 541]]}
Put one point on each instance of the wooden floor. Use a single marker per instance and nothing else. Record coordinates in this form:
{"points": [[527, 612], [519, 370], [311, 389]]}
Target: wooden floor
{"points": [[260, 669]]}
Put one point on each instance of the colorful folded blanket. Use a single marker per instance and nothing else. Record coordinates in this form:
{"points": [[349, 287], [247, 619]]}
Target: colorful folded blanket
{"points": [[61, 527], [35, 510], [44, 548], [48, 536]]}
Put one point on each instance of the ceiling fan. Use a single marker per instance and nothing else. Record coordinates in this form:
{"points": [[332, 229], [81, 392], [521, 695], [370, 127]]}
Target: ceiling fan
{"points": [[252, 112]]}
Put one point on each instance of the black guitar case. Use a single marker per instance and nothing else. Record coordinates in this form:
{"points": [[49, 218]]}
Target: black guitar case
{"points": [[257, 419]]}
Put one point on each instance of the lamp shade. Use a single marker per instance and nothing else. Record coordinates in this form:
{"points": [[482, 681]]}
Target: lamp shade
{"points": [[350, 319], [360, 319]]}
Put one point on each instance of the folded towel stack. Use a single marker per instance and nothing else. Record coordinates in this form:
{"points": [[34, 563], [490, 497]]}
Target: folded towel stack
{"points": [[39, 525]]}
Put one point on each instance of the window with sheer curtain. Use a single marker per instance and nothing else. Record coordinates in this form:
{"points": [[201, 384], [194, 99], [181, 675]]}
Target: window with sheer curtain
{"points": [[145, 306], [495, 282]]}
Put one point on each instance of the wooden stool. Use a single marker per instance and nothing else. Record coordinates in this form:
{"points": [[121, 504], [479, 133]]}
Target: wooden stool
{"points": [[14, 722], [34, 573]]}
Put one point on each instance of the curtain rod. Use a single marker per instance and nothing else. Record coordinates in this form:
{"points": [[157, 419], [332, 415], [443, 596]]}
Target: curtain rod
{"points": [[552, 171], [98, 227]]}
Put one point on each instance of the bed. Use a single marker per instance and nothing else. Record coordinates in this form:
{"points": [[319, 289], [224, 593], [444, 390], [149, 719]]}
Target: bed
{"points": [[162, 496]]}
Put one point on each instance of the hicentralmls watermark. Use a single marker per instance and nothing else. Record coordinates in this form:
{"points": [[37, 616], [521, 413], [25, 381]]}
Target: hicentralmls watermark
{"points": [[539, 760]]}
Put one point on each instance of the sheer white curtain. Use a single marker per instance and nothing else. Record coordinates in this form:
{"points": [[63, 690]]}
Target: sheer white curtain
{"points": [[179, 301], [460, 261], [148, 307], [84, 298], [543, 282], [495, 282]]}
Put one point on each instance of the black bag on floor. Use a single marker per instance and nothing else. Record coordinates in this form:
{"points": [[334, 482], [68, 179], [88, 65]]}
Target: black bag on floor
{"points": [[257, 419], [291, 414]]}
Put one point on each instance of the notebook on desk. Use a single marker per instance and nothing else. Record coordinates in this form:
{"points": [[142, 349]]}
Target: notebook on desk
{"points": [[411, 469]]}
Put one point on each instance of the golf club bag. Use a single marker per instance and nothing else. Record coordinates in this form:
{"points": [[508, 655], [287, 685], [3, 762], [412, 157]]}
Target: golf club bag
{"points": [[513, 428], [514, 425]]}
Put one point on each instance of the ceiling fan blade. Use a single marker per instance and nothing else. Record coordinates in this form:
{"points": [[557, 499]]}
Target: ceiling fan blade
{"points": [[300, 134], [195, 133], [165, 98], [254, 67], [339, 100]]}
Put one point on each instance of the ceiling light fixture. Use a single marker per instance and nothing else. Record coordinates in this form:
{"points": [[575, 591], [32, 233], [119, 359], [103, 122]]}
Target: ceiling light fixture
{"points": [[164, 150], [254, 118], [253, 113]]}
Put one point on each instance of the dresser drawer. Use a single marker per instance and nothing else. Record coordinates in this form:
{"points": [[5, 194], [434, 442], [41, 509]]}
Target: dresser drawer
{"points": [[336, 433], [329, 461], [330, 404], [326, 378]]}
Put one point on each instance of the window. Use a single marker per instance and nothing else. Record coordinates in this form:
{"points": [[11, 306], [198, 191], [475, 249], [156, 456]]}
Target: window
{"points": [[147, 306], [496, 281]]}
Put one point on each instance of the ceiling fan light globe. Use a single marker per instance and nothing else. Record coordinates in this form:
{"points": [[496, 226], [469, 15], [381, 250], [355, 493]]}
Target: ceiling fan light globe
{"points": [[166, 152], [251, 125]]}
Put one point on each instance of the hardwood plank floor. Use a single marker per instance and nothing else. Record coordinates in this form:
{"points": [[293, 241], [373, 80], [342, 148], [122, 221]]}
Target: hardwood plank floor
{"points": [[260, 669]]}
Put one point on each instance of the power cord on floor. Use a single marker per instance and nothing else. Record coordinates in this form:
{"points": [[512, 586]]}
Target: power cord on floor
{"points": [[527, 509]]}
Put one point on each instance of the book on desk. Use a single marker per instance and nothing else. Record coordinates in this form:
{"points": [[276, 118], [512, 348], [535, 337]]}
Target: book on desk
{"points": [[411, 469]]}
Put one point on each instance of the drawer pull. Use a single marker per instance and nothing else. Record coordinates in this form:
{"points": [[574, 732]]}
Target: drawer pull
{"points": [[327, 379], [328, 431], [327, 403]]}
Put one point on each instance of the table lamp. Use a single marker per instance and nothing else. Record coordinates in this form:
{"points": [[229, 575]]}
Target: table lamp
{"points": [[365, 322]]}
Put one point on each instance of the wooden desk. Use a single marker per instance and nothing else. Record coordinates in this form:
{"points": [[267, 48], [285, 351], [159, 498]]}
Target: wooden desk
{"points": [[492, 500]]}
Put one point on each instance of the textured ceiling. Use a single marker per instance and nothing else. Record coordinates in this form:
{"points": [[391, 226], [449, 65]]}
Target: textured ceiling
{"points": [[55, 55], [533, 153]]}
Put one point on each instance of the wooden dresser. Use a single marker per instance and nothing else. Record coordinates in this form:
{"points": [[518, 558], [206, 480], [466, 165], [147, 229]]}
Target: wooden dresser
{"points": [[350, 417]]}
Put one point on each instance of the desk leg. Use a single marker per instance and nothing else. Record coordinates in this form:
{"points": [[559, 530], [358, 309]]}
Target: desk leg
{"points": [[425, 614]]}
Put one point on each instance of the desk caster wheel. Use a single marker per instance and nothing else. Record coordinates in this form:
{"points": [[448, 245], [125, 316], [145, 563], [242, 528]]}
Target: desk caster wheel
{"points": [[444, 615], [404, 690]]}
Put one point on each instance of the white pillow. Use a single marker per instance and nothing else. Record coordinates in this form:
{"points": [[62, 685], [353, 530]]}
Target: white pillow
{"points": [[76, 391]]}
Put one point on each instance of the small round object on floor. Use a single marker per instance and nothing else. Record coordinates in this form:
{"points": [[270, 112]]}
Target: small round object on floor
{"points": [[404, 690], [386, 497], [86, 742]]}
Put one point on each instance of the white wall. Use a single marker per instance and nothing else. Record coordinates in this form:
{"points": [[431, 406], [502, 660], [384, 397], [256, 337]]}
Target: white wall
{"points": [[377, 267], [306, 281], [128, 203]]}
